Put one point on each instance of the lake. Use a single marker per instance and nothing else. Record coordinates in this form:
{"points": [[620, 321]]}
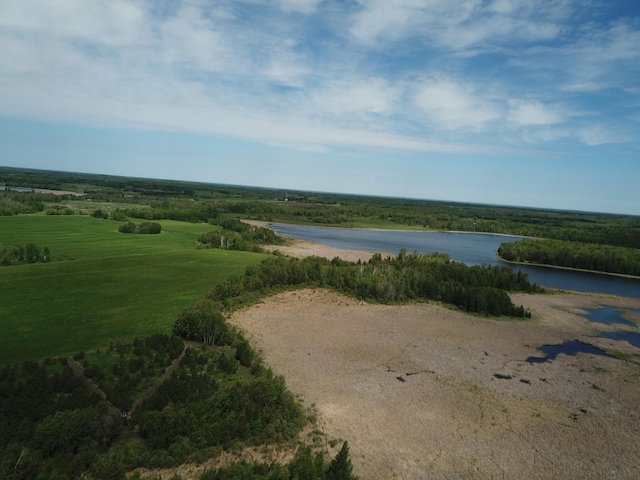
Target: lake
{"points": [[468, 248]]}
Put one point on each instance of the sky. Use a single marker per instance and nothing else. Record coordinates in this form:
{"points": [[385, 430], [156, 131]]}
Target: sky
{"points": [[513, 102]]}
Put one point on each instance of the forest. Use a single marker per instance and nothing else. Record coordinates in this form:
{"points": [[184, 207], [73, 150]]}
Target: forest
{"points": [[56, 423]]}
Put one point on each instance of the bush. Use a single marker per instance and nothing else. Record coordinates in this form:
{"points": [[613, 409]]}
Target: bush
{"points": [[145, 228]]}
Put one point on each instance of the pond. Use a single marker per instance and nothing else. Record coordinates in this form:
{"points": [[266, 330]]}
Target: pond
{"points": [[608, 316]]}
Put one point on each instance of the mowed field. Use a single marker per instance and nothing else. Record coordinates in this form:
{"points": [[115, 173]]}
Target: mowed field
{"points": [[101, 285]]}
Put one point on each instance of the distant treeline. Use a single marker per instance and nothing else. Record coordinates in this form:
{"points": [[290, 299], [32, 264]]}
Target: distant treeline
{"points": [[601, 258], [478, 289], [200, 202], [582, 227], [18, 254]]}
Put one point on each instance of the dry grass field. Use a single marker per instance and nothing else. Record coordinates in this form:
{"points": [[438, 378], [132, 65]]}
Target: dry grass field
{"points": [[421, 391]]}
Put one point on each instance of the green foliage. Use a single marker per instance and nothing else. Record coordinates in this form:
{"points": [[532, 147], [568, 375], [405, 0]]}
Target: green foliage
{"points": [[340, 467], [201, 407], [100, 214], [480, 289], [125, 372], [237, 235], [601, 258], [147, 228], [50, 423], [16, 203], [118, 215], [203, 322], [59, 210], [19, 255]]}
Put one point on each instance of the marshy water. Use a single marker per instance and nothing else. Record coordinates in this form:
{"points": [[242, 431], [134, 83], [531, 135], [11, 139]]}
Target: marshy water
{"points": [[603, 315]]}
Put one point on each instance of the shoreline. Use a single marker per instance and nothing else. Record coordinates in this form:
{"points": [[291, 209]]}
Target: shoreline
{"points": [[571, 269], [263, 224], [374, 229]]}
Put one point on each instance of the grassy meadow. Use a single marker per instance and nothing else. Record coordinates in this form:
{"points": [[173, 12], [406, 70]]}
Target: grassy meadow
{"points": [[101, 285]]}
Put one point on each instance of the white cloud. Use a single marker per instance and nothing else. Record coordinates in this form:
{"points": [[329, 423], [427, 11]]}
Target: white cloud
{"points": [[357, 96], [451, 105], [524, 113], [463, 26], [113, 23], [188, 37], [216, 69], [598, 135]]}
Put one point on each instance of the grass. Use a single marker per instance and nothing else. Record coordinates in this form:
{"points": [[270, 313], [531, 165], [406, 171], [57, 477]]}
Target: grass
{"points": [[101, 285]]}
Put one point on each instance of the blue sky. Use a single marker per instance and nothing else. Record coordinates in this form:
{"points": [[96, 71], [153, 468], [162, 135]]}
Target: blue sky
{"points": [[528, 102]]}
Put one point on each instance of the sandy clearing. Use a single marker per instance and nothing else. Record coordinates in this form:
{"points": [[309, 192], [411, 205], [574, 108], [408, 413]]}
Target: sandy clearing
{"points": [[413, 388], [302, 248]]}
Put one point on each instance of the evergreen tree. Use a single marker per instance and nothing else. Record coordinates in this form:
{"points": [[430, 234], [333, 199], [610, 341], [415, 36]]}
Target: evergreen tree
{"points": [[340, 467]]}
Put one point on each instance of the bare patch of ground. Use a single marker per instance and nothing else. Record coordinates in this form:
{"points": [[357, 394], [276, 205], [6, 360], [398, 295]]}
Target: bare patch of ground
{"points": [[301, 248], [422, 391]]}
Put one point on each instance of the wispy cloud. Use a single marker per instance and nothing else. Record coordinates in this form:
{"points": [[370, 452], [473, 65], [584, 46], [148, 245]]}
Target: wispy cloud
{"points": [[452, 105], [532, 113], [434, 76]]}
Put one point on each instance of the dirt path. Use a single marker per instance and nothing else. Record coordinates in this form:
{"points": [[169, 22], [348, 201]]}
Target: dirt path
{"points": [[422, 391], [163, 378], [78, 371]]}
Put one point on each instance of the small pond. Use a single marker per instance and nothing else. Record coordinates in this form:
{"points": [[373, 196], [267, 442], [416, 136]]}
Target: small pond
{"points": [[632, 337], [608, 316]]}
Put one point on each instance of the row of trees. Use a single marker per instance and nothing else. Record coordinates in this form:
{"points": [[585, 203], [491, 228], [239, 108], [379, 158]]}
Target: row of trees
{"points": [[148, 228], [237, 235], [18, 254], [58, 210], [118, 214], [478, 289], [601, 258]]}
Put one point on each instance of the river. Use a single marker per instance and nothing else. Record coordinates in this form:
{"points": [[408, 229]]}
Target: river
{"points": [[469, 248]]}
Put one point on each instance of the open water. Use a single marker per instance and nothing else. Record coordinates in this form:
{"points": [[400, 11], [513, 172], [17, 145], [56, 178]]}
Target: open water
{"points": [[469, 248]]}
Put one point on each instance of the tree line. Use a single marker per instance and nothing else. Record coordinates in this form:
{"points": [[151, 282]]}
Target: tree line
{"points": [[19, 254], [199, 202], [408, 277], [600, 258], [144, 228], [237, 235]]}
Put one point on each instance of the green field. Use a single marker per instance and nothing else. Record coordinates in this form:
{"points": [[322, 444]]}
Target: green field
{"points": [[101, 285]]}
